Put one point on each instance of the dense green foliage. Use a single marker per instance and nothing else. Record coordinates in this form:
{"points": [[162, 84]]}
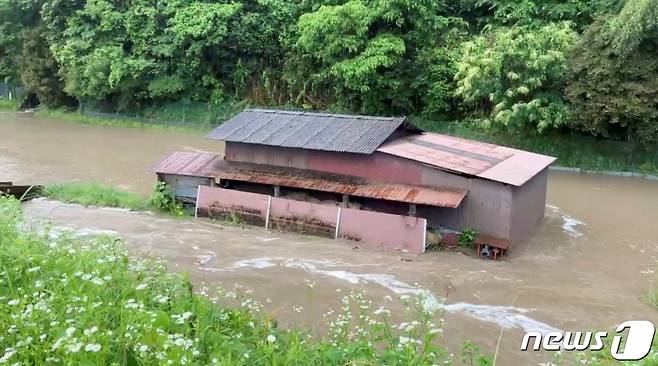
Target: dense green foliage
{"points": [[513, 75], [526, 66], [72, 300]]}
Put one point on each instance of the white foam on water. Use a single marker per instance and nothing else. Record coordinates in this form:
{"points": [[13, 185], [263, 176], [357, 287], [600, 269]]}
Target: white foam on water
{"points": [[258, 263], [569, 222], [503, 316], [205, 259]]}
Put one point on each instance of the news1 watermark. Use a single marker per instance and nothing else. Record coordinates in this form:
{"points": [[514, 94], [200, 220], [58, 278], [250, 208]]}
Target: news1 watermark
{"points": [[631, 340]]}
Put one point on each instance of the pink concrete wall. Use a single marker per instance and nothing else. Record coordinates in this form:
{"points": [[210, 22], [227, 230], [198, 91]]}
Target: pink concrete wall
{"points": [[371, 228], [383, 230], [214, 202], [312, 218]]}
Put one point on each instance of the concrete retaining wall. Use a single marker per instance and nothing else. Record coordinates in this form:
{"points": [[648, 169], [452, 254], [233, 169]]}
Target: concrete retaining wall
{"points": [[251, 208], [383, 230], [306, 217], [368, 227]]}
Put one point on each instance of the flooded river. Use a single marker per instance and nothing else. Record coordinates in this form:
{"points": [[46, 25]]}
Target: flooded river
{"points": [[587, 269]]}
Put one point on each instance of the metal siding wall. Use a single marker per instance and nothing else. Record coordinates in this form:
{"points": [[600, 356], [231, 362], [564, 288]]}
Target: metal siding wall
{"points": [[528, 207], [268, 155], [185, 186], [377, 166]]}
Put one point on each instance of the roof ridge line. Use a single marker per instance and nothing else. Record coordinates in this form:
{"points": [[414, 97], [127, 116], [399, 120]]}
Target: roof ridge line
{"points": [[324, 114]]}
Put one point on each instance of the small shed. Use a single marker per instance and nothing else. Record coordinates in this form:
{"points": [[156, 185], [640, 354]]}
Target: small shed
{"points": [[374, 163]]}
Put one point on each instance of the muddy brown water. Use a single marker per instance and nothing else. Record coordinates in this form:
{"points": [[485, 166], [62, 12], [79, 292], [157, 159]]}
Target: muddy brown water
{"points": [[587, 269]]}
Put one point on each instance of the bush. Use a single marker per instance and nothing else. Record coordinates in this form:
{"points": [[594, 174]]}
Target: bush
{"points": [[164, 199], [512, 77]]}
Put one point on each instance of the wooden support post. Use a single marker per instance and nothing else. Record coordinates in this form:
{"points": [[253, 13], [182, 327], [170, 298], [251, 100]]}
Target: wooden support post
{"points": [[277, 191], [346, 200], [412, 209]]}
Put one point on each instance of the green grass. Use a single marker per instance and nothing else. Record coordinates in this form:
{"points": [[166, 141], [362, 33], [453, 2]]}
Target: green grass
{"points": [[71, 300], [8, 105], [571, 149], [76, 117], [183, 117], [95, 194]]}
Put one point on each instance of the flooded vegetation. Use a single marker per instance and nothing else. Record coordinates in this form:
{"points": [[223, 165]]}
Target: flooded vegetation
{"points": [[590, 267]]}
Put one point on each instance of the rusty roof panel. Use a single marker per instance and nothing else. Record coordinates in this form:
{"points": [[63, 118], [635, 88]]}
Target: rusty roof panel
{"points": [[488, 161], [190, 163], [305, 130], [446, 197]]}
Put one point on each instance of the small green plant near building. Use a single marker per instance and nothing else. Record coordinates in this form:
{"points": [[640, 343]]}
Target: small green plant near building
{"points": [[164, 199], [466, 239]]}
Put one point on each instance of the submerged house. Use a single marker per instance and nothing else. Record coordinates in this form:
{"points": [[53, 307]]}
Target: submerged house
{"points": [[377, 164]]}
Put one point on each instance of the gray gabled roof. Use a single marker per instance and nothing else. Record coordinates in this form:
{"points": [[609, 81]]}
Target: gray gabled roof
{"points": [[306, 130]]}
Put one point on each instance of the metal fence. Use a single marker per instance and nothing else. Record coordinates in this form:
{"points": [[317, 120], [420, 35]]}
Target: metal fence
{"points": [[88, 111], [11, 91]]}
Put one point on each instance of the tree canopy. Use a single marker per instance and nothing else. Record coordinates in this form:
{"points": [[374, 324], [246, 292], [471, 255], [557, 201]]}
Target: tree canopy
{"points": [[516, 65]]}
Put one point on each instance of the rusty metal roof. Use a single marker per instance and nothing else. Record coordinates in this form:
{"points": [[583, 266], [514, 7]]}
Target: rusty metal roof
{"points": [[212, 166], [488, 161], [296, 178], [306, 130], [190, 163]]}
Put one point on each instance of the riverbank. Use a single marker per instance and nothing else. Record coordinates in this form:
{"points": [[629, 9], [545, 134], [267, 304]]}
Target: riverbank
{"points": [[572, 150], [7, 105], [83, 300]]}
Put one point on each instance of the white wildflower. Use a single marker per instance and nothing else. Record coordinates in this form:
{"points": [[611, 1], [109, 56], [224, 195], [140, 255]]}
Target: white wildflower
{"points": [[271, 338], [69, 331], [93, 347], [75, 347]]}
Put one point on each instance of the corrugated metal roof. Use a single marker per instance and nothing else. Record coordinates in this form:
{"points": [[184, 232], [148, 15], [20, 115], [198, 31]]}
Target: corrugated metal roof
{"points": [[190, 163], [445, 197], [306, 130], [497, 163]]}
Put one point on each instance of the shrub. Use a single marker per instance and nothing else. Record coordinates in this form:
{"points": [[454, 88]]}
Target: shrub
{"points": [[164, 199], [466, 238], [512, 77]]}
